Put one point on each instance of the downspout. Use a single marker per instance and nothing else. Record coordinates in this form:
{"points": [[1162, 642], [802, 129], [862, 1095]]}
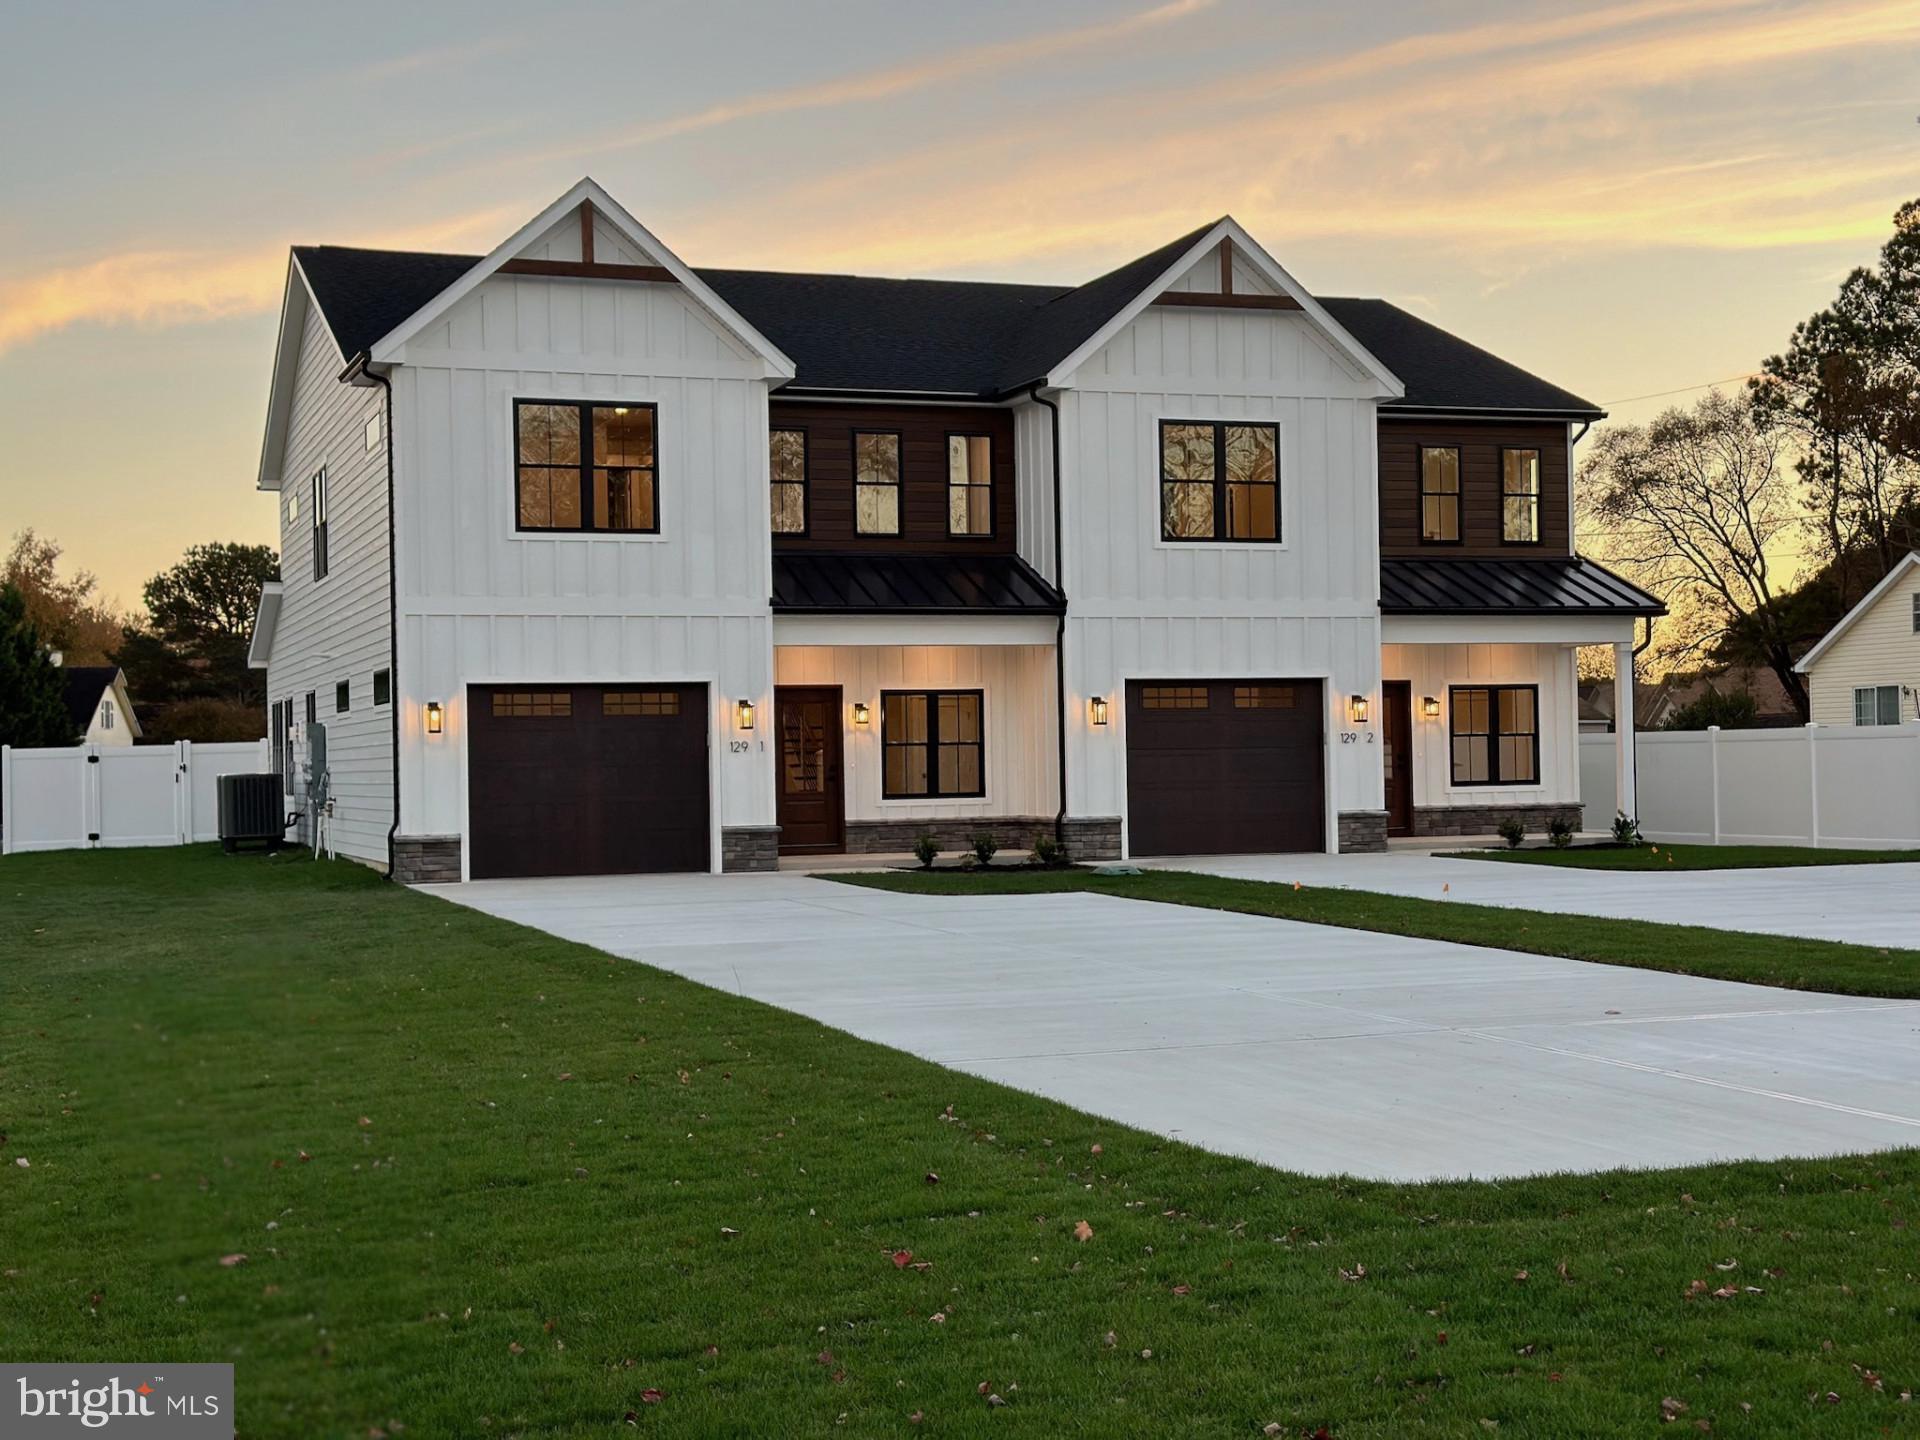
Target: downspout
{"points": [[1060, 632], [358, 373]]}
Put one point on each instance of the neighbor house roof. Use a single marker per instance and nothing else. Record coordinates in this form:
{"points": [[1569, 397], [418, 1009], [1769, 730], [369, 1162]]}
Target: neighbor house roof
{"points": [[977, 339], [85, 685], [1510, 587], [1901, 567], [807, 582]]}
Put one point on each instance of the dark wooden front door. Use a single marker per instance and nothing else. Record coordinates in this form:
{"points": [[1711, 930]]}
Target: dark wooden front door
{"points": [[1224, 767], [810, 799], [1397, 757], [587, 779]]}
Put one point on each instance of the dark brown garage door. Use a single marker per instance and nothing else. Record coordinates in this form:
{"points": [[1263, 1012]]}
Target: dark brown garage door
{"points": [[1224, 767], [587, 779]]}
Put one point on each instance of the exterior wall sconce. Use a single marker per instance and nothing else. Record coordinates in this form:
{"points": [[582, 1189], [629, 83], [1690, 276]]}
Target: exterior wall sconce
{"points": [[862, 714], [1097, 709], [1357, 708], [743, 714], [436, 717], [1430, 707]]}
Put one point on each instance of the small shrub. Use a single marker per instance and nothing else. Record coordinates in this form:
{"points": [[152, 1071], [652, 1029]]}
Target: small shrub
{"points": [[1513, 830], [1560, 832], [1626, 829], [985, 847], [926, 849], [1048, 851]]}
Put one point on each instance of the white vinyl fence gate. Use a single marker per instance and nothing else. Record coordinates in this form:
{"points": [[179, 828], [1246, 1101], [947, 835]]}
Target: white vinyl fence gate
{"points": [[1841, 786], [84, 797]]}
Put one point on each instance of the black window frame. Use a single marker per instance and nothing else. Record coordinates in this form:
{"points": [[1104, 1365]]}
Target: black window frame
{"points": [[932, 745], [1492, 735], [382, 688], [993, 519], [805, 482], [899, 486], [322, 560], [313, 706], [1536, 495], [1221, 510], [1458, 495], [342, 696], [585, 466]]}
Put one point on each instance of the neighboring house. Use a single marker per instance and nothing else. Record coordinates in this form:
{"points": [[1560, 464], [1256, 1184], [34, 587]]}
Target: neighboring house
{"points": [[601, 563], [1652, 704], [1656, 703], [97, 704], [1864, 671]]}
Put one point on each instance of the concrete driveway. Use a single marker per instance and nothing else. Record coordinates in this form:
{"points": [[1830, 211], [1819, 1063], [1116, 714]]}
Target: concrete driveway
{"points": [[1864, 904], [1303, 1046]]}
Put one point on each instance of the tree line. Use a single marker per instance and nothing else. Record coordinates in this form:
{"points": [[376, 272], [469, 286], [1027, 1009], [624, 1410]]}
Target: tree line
{"points": [[1819, 457]]}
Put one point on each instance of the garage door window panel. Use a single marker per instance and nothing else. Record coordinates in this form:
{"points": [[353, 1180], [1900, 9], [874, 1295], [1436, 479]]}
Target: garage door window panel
{"points": [[933, 745], [1495, 737]]}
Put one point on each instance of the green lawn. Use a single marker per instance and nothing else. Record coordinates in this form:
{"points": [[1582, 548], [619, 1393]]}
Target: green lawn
{"points": [[1689, 857], [1793, 964], [492, 1184]]}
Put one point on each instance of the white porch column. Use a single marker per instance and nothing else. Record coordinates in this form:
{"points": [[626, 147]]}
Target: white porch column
{"points": [[1623, 798]]}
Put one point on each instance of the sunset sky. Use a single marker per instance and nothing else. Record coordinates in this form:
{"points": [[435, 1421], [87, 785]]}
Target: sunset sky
{"points": [[1629, 198]]}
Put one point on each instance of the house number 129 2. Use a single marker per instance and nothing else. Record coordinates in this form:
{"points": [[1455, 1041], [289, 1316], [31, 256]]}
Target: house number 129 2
{"points": [[1351, 737]]}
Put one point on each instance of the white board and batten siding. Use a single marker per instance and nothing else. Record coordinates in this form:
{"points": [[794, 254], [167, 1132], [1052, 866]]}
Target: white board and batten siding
{"points": [[337, 628], [481, 602], [1144, 608], [1433, 670]]}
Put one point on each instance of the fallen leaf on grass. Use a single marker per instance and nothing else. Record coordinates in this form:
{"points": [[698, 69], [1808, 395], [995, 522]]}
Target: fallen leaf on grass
{"points": [[1521, 1277], [514, 1347], [1082, 1231], [900, 1258], [1183, 1289], [1355, 1275], [229, 1261], [652, 1397], [1671, 1409]]}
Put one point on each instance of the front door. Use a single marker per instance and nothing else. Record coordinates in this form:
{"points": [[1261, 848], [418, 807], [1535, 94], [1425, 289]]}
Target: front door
{"points": [[810, 804], [1397, 695]]}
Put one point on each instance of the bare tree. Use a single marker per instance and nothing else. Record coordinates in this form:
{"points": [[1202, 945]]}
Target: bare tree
{"points": [[1699, 505]]}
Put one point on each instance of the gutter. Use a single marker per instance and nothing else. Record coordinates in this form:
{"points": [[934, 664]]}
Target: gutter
{"points": [[357, 373], [1060, 633]]}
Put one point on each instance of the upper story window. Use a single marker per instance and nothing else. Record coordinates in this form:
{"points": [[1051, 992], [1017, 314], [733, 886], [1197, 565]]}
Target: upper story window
{"points": [[1496, 735], [1439, 495], [876, 482], [320, 524], [1520, 497], [969, 485], [1876, 705], [342, 697], [106, 714], [1219, 481], [1916, 614], [787, 465], [586, 467]]}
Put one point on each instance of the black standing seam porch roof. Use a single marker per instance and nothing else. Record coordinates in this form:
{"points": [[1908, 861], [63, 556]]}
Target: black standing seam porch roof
{"points": [[1533, 586], [821, 583]]}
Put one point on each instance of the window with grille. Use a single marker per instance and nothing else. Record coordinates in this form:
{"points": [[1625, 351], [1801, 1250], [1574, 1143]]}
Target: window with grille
{"points": [[529, 704], [1173, 697], [1495, 737], [641, 702], [932, 744]]}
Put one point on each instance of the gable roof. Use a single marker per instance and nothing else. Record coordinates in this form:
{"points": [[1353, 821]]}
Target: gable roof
{"points": [[1903, 566], [960, 338], [85, 685]]}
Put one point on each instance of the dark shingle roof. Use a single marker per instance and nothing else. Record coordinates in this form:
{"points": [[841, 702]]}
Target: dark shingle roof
{"points": [[819, 583], [951, 337], [1509, 587], [85, 685]]}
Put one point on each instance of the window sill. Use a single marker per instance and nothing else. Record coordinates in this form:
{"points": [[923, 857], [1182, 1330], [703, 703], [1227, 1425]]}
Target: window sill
{"points": [[624, 537]]}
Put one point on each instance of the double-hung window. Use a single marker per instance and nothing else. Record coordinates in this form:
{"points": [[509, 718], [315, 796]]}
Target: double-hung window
{"points": [[1439, 495], [969, 485], [876, 482], [787, 465], [1219, 481], [1520, 497], [931, 744], [1496, 735], [586, 467], [1876, 705], [320, 524]]}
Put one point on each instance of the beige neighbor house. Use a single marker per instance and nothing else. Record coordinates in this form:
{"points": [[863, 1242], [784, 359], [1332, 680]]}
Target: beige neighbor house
{"points": [[1866, 670]]}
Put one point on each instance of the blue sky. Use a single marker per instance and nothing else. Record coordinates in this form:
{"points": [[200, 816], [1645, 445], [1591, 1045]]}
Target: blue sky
{"points": [[1630, 197]]}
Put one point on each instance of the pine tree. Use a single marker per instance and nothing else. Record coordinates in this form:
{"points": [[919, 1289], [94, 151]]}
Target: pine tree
{"points": [[33, 705]]}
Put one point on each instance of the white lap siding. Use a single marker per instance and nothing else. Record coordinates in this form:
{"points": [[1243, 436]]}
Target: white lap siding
{"points": [[1436, 669], [336, 629]]}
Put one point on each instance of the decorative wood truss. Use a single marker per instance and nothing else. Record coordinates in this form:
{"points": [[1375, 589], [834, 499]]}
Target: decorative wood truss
{"points": [[1225, 298], [586, 267]]}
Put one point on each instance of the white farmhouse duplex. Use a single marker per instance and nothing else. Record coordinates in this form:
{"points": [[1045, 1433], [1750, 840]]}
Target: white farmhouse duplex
{"points": [[594, 562]]}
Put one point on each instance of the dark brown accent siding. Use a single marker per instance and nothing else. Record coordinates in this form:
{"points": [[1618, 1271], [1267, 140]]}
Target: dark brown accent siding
{"points": [[923, 431], [1479, 443]]}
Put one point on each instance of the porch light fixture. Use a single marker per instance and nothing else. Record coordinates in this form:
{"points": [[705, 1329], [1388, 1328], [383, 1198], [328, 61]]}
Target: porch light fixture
{"points": [[436, 717], [862, 713], [1357, 708], [743, 714], [1097, 709], [1430, 707]]}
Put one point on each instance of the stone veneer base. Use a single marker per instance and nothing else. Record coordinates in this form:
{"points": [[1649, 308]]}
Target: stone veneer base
{"points": [[426, 859], [1443, 820], [1362, 831], [747, 848]]}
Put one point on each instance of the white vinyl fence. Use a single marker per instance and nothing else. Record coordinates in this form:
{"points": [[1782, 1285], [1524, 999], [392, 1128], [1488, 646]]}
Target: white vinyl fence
{"points": [[82, 797], [1832, 785]]}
